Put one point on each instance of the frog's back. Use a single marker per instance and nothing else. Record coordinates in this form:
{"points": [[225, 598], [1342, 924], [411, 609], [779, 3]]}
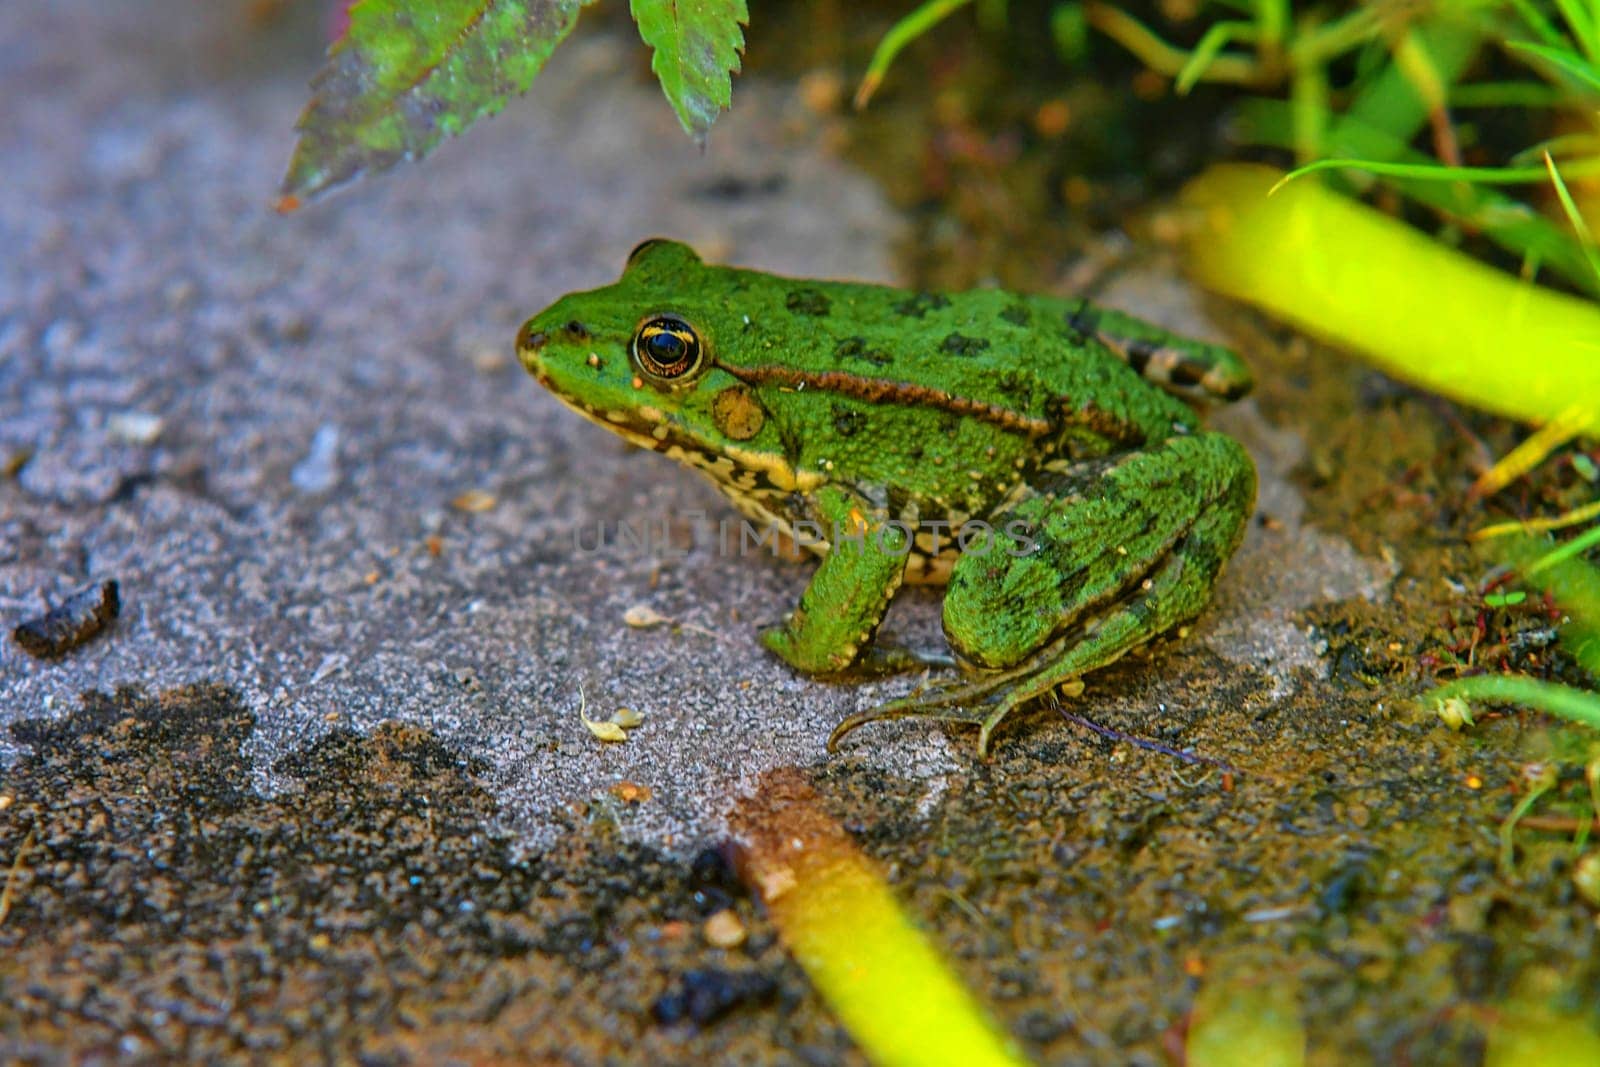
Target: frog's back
{"points": [[1008, 352]]}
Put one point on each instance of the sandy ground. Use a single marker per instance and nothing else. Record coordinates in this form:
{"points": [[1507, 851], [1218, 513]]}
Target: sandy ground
{"points": [[262, 428], [255, 424]]}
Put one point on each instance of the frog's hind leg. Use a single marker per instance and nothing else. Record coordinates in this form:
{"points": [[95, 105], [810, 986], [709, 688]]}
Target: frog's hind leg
{"points": [[1176, 363], [1109, 612]]}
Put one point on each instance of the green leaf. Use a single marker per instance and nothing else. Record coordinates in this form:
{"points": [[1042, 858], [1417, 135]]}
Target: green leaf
{"points": [[697, 45], [1563, 60], [408, 74]]}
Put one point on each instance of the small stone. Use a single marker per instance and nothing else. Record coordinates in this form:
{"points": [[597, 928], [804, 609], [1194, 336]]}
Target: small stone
{"points": [[71, 623], [642, 616], [774, 883], [724, 930], [489, 360], [631, 792], [705, 995], [135, 427], [319, 471], [475, 501]]}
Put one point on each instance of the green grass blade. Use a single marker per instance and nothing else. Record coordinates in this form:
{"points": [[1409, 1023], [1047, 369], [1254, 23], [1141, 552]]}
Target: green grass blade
{"points": [[1390, 103], [697, 45], [908, 29], [1564, 552], [1536, 21], [1574, 216], [1507, 94], [1566, 145], [1308, 106], [1564, 702], [1272, 18], [1438, 172], [1568, 63], [1327, 42], [1069, 28], [1581, 23], [1510, 223], [1575, 586], [1215, 39]]}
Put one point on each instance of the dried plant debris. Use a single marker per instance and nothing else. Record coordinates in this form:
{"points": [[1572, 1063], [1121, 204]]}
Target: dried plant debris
{"points": [[73, 622]]}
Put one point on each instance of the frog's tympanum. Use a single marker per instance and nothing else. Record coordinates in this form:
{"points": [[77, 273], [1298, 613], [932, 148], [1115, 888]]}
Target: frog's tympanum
{"points": [[1031, 452]]}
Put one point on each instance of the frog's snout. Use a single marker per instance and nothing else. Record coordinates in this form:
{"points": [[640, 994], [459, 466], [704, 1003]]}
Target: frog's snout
{"points": [[530, 340]]}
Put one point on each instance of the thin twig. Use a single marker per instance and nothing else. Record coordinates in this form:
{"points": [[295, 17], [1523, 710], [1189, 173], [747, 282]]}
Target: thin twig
{"points": [[1146, 743]]}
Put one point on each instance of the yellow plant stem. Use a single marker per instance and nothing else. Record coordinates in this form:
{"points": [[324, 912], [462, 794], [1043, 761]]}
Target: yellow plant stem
{"points": [[841, 923], [1419, 310], [1531, 526], [1532, 452]]}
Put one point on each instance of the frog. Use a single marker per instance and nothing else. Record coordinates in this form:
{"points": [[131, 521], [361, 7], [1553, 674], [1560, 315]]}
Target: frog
{"points": [[866, 420]]}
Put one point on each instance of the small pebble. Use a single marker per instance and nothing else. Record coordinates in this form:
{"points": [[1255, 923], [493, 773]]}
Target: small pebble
{"points": [[642, 616], [135, 427], [319, 471], [71, 623], [706, 995], [489, 360], [475, 500], [631, 792], [724, 930]]}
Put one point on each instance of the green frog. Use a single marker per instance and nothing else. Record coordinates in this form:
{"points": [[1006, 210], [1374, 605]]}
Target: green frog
{"points": [[1035, 454]]}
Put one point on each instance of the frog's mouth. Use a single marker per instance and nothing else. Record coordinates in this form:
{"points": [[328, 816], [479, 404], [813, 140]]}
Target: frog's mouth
{"points": [[644, 425]]}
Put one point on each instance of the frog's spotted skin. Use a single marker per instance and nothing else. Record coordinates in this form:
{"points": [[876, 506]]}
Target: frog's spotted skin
{"points": [[874, 411]]}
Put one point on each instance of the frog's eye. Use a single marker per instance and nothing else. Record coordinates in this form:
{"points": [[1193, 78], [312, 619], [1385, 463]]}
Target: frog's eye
{"points": [[667, 348]]}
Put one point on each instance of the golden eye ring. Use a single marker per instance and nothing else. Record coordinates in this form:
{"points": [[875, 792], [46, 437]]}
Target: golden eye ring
{"points": [[667, 348]]}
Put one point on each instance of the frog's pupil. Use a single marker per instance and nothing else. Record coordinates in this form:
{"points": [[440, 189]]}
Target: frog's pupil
{"points": [[666, 347]]}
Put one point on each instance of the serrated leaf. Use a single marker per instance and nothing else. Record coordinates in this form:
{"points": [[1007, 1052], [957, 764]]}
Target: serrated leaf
{"points": [[697, 45], [409, 73]]}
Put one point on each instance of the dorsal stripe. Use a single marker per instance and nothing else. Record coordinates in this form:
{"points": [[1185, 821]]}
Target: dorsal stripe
{"points": [[889, 391]]}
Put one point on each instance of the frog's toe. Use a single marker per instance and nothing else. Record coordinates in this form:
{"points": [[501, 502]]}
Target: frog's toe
{"points": [[881, 660], [901, 709]]}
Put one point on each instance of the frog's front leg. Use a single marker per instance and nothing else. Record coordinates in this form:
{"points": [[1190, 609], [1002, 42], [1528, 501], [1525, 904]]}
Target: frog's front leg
{"points": [[1115, 554], [832, 628]]}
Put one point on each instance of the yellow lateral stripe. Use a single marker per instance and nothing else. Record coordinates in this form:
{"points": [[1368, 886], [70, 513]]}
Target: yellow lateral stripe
{"points": [[840, 921], [1417, 309]]}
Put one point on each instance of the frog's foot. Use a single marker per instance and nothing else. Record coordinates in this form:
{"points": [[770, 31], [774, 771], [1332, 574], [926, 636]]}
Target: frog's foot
{"points": [[882, 659], [957, 701]]}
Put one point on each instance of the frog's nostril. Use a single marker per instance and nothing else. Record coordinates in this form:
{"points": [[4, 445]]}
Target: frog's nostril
{"points": [[529, 338]]}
